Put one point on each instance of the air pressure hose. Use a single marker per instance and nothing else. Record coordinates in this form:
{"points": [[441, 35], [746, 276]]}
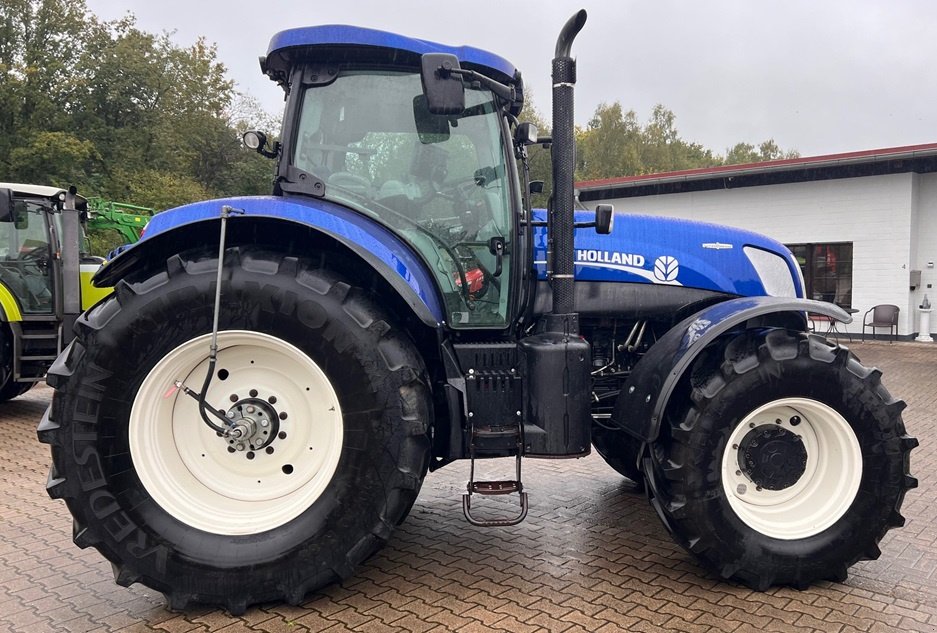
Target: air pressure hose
{"points": [[203, 407]]}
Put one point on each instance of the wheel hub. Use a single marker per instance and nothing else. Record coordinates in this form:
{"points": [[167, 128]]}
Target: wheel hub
{"points": [[255, 424], [773, 457]]}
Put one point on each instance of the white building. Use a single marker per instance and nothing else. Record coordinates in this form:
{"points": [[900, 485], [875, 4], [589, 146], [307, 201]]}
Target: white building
{"points": [[862, 224]]}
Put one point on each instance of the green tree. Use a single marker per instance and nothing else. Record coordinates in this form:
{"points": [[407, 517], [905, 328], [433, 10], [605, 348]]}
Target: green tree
{"points": [[615, 144], [741, 153], [120, 112], [610, 144], [39, 44], [62, 157]]}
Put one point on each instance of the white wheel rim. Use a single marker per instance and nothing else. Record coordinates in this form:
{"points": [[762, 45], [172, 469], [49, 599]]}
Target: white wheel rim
{"points": [[825, 490], [189, 470]]}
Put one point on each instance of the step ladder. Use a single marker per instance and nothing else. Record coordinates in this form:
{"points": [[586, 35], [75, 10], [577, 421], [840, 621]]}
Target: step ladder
{"points": [[36, 345], [494, 439]]}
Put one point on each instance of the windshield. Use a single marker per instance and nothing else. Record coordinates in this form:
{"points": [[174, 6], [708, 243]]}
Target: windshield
{"points": [[438, 181], [25, 257]]}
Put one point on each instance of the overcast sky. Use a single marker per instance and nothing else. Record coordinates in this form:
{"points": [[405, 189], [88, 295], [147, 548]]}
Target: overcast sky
{"points": [[820, 77]]}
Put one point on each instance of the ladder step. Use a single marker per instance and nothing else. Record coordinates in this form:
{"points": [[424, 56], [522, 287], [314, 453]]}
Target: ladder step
{"points": [[497, 432], [495, 487], [32, 358], [490, 440], [45, 337]]}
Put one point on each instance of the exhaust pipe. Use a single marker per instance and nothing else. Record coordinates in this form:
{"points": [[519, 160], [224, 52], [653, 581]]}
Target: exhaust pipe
{"points": [[558, 419], [564, 164]]}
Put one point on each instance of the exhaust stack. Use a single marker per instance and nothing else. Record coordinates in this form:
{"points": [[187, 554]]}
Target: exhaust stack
{"points": [[564, 164]]}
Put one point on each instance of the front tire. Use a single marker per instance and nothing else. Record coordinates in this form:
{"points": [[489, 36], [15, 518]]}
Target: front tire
{"points": [[336, 400], [9, 388], [12, 389], [620, 451], [787, 463]]}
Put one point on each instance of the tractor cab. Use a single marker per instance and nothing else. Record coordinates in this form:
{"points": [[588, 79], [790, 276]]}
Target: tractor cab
{"points": [[360, 131], [40, 269], [27, 235]]}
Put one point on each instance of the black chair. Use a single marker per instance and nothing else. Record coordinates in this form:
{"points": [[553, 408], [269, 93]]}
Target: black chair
{"points": [[884, 315]]}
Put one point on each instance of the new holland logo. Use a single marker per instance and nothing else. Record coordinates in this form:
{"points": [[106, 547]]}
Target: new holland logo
{"points": [[666, 269], [607, 257]]}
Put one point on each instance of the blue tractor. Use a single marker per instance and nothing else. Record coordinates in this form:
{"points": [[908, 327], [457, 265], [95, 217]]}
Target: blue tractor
{"points": [[253, 410]]}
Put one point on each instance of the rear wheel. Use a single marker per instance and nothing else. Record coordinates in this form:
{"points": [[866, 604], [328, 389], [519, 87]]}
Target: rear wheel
{"points": [[333, 406], [787, 463]]}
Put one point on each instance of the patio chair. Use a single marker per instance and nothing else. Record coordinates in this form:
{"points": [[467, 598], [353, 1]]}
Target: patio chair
{"points": [[883, 315]]}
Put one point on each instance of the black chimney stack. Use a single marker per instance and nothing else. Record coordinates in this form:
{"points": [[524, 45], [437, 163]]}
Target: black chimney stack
{"points": [[564, 164]]}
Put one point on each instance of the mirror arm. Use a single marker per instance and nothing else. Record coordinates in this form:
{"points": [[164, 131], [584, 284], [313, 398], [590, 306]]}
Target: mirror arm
{"points": [[508, 93]]}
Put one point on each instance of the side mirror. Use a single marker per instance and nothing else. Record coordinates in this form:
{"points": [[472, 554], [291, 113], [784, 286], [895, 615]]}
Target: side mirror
{"points": [[536, 186], [445, 93], [6, 205], [604, 218], [20, 216]]}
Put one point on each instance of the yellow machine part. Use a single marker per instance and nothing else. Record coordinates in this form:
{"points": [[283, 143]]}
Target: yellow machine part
{"points": [[90, 295], [11, 309]]}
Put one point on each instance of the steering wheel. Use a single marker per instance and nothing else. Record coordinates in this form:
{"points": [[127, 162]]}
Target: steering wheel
{"points": [[35, 253], [36, 257]]}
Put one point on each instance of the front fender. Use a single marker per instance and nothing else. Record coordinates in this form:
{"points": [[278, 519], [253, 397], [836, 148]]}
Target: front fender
{"points": [[648, 389], [273, 221], [9, 307]]}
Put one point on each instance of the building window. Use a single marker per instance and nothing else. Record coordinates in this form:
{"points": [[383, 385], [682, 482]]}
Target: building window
{"points": [[827, 270]]}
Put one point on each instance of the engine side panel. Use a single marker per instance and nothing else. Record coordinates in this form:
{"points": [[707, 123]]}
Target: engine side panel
{"points": [[668, 252]]}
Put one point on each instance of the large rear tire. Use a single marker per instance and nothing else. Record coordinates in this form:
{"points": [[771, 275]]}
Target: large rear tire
{"points": [[337, 405], [787, 463]]}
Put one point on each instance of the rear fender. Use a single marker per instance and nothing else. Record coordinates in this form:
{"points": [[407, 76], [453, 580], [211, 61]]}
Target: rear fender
{"points": [[648, 390], [388, 256]]}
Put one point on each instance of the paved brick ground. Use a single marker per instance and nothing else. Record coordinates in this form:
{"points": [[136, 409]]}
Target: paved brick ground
{"points": [[590, 557]]}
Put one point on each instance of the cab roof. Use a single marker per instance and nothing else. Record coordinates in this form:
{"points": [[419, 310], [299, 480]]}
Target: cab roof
{"points": [[340, 43], [37, 191]]}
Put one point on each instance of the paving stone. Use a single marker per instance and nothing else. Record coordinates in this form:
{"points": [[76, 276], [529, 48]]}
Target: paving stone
{"points": [[592, 556]]}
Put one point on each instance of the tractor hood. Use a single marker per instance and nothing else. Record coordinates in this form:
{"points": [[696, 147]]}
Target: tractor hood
{"points": [[675, 252]]}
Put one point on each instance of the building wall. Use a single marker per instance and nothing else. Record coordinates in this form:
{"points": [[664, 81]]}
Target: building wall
{"points": [[924, 239], [874, 213]]}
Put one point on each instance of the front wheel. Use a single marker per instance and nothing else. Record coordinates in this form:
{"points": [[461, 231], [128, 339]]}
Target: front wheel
{"points": [[620, 451], [12, 389], [786, 464], [9, 388], [332, 407]]}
